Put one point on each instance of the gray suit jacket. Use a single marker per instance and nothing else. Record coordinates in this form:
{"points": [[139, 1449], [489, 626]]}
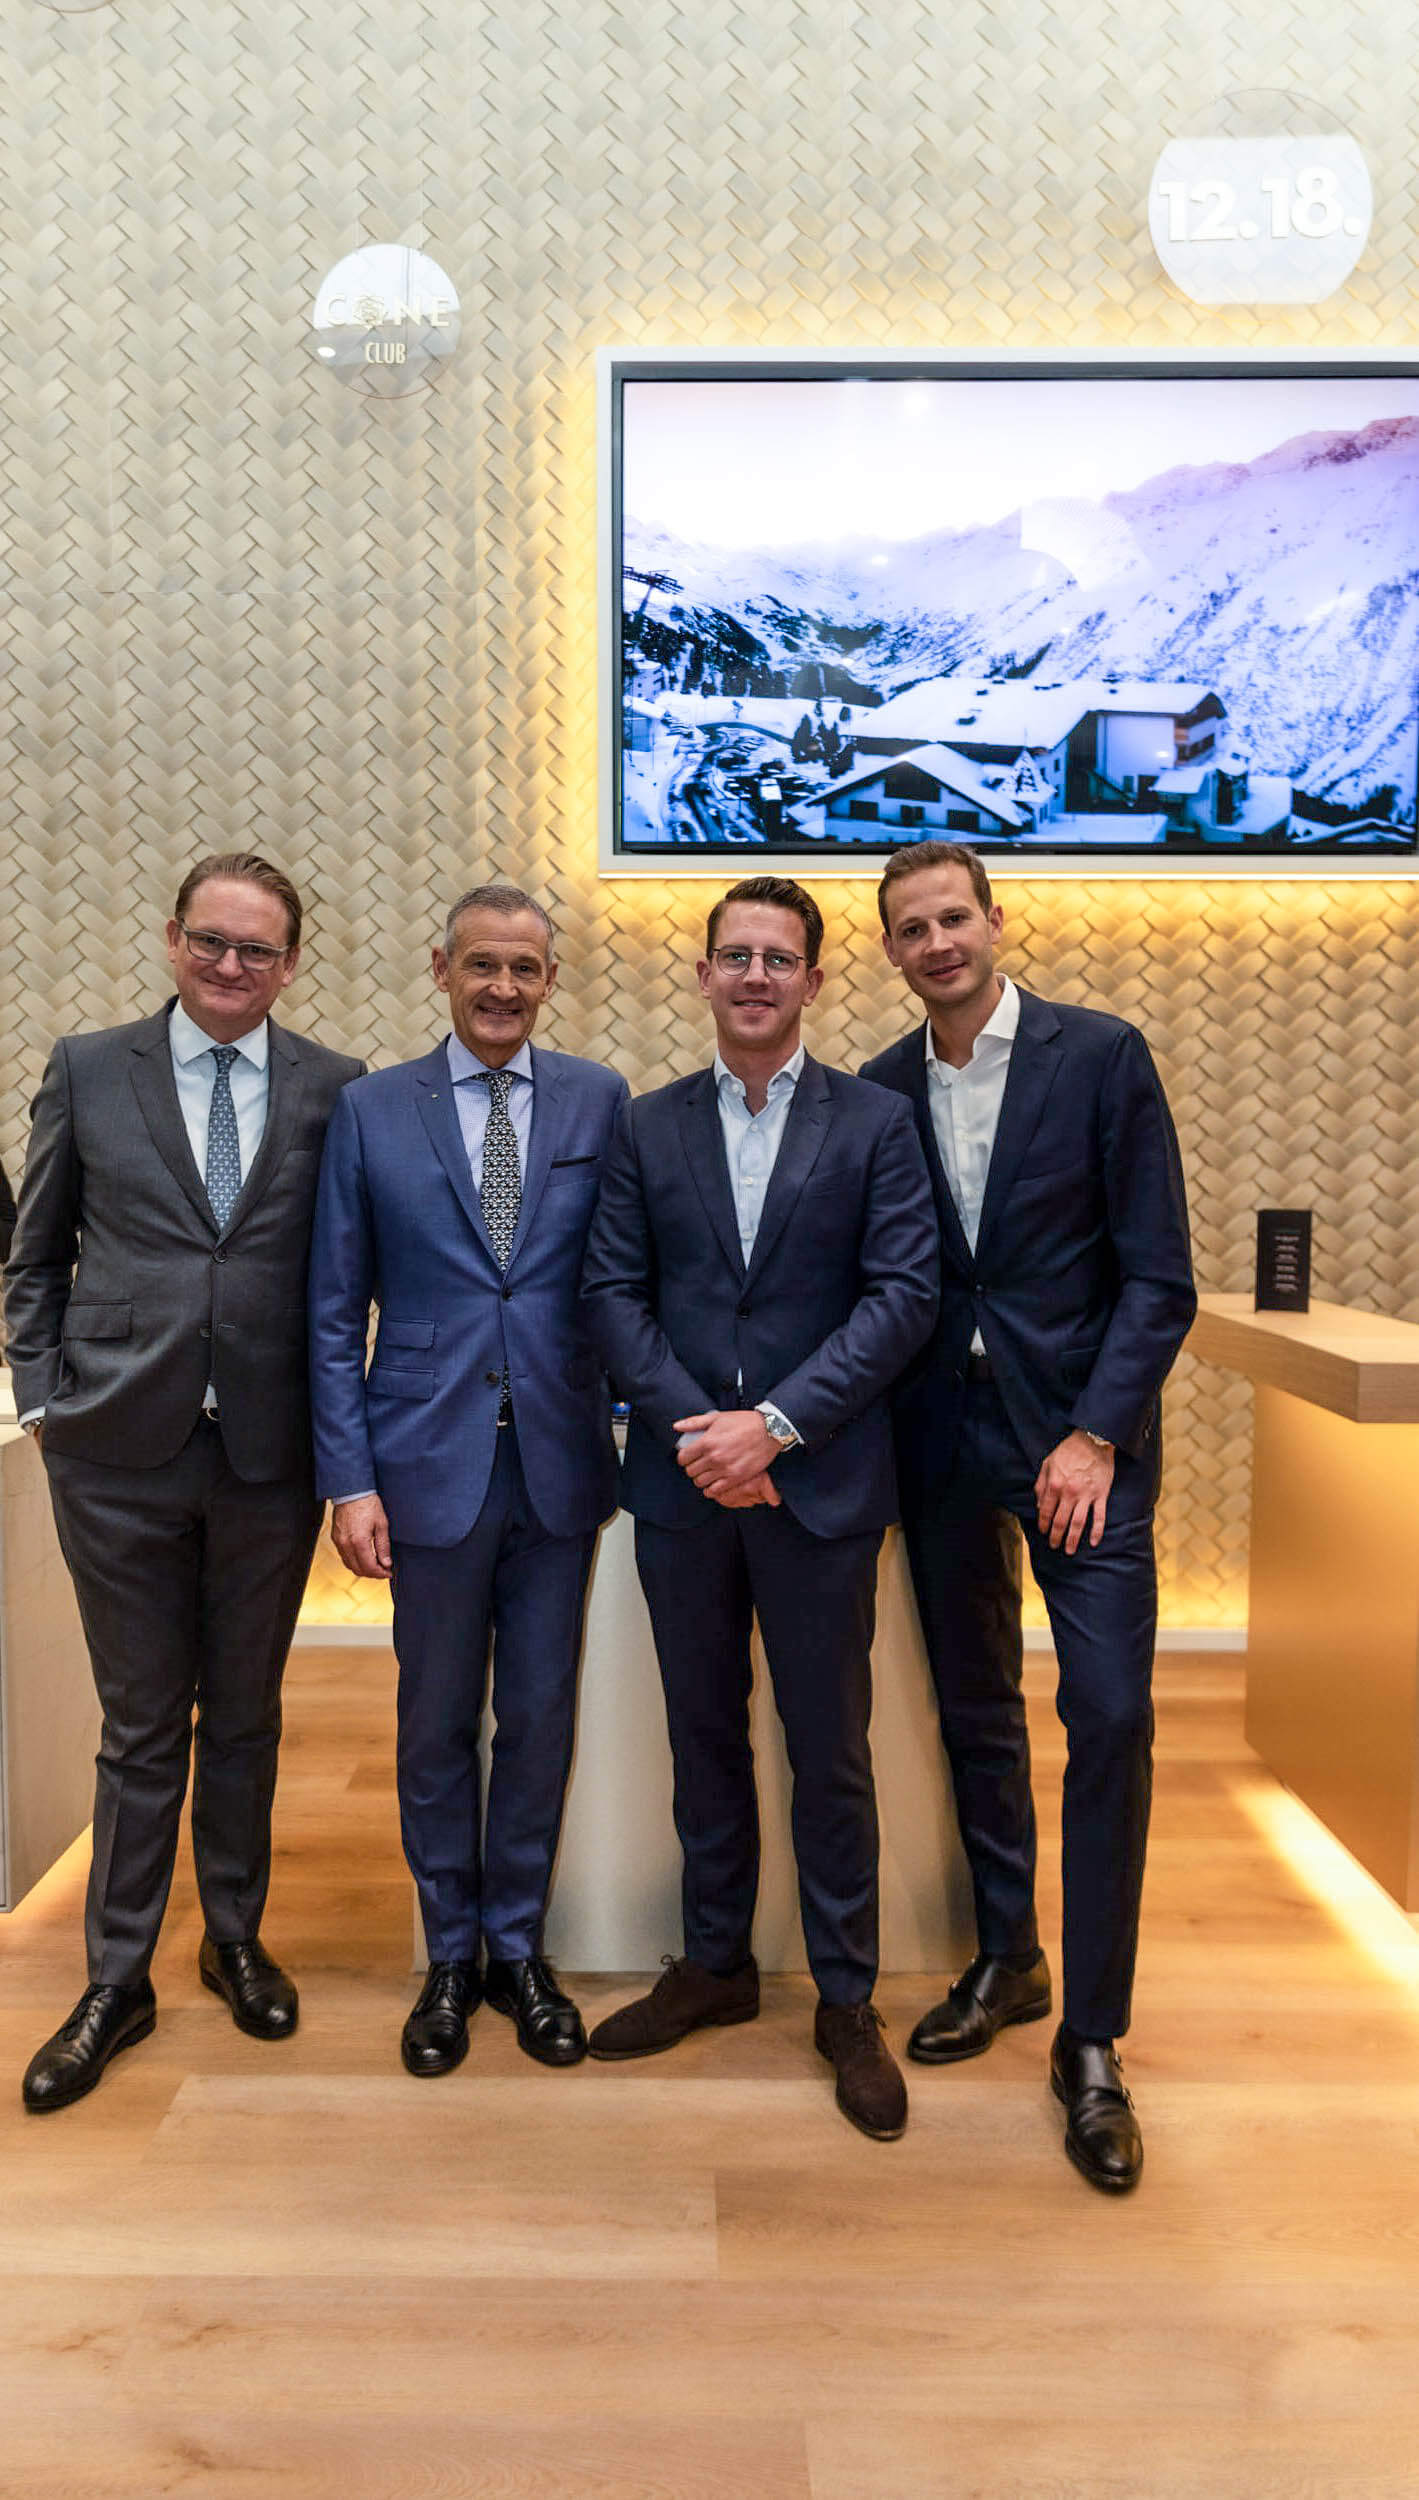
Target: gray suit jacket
{"points": [[122, 1297]]}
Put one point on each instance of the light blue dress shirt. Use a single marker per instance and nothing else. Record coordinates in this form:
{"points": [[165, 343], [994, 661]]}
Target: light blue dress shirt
{"points": [[751, 1147], [195, 1073], [752, 1140], [471, 1099]]}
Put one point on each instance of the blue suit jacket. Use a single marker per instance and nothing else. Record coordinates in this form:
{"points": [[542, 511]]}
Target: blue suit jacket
{"points": [[398, 1223], [1081, 1283], [839, 1294]]}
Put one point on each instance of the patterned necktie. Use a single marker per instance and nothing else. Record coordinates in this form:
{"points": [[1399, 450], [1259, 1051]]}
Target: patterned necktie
{"points": [[502, 1173], [223, 1144]]}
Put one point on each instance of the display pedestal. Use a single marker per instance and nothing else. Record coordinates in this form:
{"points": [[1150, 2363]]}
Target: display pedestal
{"points": [[1333, 1636], [49, 1712]]}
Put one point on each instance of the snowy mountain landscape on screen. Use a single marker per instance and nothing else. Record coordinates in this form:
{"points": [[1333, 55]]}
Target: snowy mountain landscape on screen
{"points": [[1287, 584]]}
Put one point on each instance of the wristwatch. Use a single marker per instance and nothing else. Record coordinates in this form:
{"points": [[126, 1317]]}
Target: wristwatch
{"points": [[778, 1426]]}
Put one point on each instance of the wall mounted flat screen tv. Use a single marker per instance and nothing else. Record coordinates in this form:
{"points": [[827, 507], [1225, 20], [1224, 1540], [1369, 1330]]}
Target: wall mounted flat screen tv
{"points": [[1140, 616]]}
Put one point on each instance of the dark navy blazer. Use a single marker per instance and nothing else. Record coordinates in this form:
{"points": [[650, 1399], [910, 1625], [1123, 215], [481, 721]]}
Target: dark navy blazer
{"points": [[839, 1295], [398, 1222], [1081, 1282]]}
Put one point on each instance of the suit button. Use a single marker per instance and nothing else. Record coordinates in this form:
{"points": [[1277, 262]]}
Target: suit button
{"points": [[492, 1379], [219, 1256], [507, 1293], [743, 1309]]}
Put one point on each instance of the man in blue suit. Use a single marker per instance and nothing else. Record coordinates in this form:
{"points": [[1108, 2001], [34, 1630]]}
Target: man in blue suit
{"points": [[761, 1266], [473, 1462], [1066, 1292]]}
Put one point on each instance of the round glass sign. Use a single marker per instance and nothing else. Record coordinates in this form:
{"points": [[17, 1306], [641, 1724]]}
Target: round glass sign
{"points": [[385, 319]]}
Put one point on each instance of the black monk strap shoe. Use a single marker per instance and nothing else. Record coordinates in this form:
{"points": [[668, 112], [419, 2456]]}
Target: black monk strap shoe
{"points": [[982, 2001], [686, 1997], [871, 2089], [1101, 2134], [105, 2020], [549, 2027], [435, 2036], [263, 2000]]}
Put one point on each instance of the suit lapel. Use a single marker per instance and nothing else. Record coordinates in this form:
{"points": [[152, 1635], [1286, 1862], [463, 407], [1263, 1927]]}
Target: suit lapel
{"points": [[547, 1115], [953, 1236], [1034, 1065], [433, 1092], [285, 1083], [704, 1152], [803, 1133], [156, 1089]]}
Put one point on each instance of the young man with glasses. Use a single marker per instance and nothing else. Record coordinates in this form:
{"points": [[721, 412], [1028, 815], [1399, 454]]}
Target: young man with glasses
{"points": [[761, 1266], [473, 1461], [155, 1299]]}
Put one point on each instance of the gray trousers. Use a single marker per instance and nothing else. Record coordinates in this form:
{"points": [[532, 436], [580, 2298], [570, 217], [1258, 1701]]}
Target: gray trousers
{"points": [[189, 1582]]}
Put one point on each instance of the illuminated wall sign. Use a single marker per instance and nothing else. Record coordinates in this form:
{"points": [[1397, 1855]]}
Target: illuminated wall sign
{"points": [[1277, 212], [385, 319]]}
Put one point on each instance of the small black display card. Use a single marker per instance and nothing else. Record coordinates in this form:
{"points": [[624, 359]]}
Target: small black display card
{"points": [[1283, 1259]]}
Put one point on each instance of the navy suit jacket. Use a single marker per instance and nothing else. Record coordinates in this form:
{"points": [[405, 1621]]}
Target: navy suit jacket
{"points": [[398, 1222], [1081, 1282], [839, 1294]]}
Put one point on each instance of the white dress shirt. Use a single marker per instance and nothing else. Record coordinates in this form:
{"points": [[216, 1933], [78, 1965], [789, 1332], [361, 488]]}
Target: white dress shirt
{"points": [[751, 1148], [471, 1099], [965, 1112]]}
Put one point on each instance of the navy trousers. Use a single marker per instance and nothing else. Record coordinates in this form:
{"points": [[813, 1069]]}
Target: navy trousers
{"points": [[962, 1530], [511, 1587], [815, 1598]]}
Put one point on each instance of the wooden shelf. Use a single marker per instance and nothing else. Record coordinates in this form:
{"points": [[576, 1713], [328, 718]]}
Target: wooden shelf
{"points": [[1357, 1363]]}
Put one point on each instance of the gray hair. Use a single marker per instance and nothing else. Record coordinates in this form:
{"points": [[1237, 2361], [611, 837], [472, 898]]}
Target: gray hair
{"points": [[504, 898]]}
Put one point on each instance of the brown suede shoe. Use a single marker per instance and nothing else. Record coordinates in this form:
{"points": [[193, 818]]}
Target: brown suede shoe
{"points": [[686, 1997], [871, 2090]]}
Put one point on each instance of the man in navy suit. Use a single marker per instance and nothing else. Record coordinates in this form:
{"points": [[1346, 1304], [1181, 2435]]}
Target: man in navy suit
{"points": [[1066, 1292], [473, 1463], [761, 1266]]}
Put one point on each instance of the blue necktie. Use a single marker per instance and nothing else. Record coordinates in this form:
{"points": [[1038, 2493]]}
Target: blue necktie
{"points": [[501, 1192], [223, 1143]]}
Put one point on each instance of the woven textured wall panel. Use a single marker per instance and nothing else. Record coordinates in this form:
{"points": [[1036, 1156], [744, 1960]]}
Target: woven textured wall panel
{"points": [[242, 603]]}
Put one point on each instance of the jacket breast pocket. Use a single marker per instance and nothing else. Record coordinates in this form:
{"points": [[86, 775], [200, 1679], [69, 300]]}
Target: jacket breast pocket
{"points": [[99, 1319], [401, 1336]]}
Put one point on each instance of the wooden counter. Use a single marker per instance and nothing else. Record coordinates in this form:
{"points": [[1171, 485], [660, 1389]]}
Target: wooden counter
{"points": [[1333, 1636]]}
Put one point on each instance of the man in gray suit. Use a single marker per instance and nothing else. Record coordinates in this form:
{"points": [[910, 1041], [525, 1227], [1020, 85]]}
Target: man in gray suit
{"points": [[155, 1298]]}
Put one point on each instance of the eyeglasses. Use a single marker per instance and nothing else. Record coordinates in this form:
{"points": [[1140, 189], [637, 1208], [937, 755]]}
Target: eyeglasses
{"points": [[778, 966], [253, 956]]}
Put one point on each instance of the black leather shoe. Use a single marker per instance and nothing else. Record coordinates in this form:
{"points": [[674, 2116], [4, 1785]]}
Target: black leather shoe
{"points": [[983, 2000], [263, 2000], [549, 2027], [1101, 2134], [105, 2020], [435, 2036]]}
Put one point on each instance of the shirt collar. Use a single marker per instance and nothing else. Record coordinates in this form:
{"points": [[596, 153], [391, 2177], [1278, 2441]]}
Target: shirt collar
{"points": [[189, 1041], [463, 1063], [782, 1081], [1000, 1028]]}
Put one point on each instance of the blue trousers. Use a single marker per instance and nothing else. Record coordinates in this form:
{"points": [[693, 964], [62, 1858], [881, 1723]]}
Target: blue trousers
{"points": [[963, 1530], [512, 1588], [815, 1598]]}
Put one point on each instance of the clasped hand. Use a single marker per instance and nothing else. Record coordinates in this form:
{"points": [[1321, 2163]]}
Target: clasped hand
{"points": [[729, 1457]]}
